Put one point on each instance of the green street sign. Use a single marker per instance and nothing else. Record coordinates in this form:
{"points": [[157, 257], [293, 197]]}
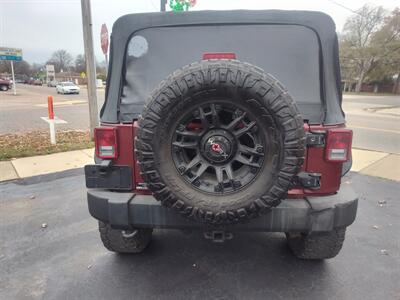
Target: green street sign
{"points": [[10, 54]]}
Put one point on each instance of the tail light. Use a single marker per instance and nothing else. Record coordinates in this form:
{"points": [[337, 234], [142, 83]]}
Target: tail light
{"points": [[105, 139], [338, 145], [219, 55]]}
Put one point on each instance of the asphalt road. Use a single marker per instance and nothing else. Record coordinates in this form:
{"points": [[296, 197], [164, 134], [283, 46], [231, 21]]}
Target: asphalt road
{"points": [[23, 112], [67, 261], [373, 129]]}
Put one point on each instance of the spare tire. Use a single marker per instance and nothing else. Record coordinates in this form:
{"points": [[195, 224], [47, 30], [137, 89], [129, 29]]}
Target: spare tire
{"points": [[220, 141]]}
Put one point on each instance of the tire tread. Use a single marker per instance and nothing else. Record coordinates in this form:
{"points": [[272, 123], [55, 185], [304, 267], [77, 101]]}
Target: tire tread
{"points": [[218, 74]]}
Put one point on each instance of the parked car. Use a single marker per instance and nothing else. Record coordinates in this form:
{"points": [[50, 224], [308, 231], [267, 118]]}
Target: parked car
{"points": [[207, 140], [67, 87], [34, 81], [5, 85], [37, 82], [52, 83]]}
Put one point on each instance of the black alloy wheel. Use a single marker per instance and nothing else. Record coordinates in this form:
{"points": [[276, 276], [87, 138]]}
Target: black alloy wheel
{"points": [[218, 147]]}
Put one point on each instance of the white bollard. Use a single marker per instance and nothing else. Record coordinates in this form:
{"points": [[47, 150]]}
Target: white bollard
{"points": [[52, 132], [52, 120]]}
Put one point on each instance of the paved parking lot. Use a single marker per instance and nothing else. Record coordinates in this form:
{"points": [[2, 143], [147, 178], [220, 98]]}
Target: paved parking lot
{"points": [[23, 112], [67, 261]]}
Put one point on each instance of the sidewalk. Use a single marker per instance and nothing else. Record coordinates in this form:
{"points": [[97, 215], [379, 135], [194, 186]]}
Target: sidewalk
{"points": [[45, 164], [378, 164]]}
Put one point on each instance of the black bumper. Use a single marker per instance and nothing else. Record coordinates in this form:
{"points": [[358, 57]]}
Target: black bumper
{"points": [[127, 210]]}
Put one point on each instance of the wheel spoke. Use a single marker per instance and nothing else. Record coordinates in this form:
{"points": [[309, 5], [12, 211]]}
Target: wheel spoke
{"points": [[246, 161], [193, 162], [245, 129], [203, 119], [232, 125], [250, 151], [229, 172], [215, 117], [219, 174], [186, 145], [203, 167], [191, 134]]}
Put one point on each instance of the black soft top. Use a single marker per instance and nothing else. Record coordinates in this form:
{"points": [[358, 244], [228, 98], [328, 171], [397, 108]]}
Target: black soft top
{"points": [[123, 105]]}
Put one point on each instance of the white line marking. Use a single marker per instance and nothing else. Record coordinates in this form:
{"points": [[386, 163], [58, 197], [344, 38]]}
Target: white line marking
{"points": [[64, 103], [374, 129]]}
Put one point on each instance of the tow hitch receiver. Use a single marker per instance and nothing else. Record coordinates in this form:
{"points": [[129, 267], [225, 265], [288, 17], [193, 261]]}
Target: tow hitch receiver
{"points": [[218, 236]]}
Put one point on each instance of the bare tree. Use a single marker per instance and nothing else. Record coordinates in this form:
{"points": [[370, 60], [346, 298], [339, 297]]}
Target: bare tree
{"points": [[80, 63], [61, 60], [387, 42], [20, 67], [356, 39]]}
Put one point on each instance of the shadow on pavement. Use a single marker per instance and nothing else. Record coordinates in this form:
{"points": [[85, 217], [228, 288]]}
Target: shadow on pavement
{"points": [[66, 260]]}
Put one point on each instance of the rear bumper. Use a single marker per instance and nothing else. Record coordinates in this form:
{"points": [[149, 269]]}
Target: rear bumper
{"points": [[127, 210], [71, 92]]}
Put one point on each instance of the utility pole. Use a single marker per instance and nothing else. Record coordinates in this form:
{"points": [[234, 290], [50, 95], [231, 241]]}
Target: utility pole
{"points": [[13, 77], [90, 65], [163, 3]]}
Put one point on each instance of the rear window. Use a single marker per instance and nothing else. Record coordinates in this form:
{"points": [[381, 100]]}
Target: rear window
{"points": [[288, 52]]}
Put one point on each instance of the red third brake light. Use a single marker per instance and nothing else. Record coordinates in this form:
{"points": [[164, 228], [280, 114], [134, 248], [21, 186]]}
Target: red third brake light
{"points": [[219, 55], [338, 145], [105, 139]]}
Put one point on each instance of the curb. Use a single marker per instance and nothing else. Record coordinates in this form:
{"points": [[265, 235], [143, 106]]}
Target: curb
{"points": [[27, 167]]}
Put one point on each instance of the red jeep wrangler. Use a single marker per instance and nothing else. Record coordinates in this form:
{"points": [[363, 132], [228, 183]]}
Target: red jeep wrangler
{"points": [[223, 121]]}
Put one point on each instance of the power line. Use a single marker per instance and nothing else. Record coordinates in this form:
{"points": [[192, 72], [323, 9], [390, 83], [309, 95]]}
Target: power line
{"points": [[341, 5], [152, 3], [345, 7]]}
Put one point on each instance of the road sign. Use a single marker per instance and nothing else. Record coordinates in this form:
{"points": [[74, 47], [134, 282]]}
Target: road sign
{"points": [[10, 54], [104, 39]]}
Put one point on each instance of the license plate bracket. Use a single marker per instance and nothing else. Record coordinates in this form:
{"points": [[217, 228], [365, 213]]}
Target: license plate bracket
{"points": [[110, 177]]}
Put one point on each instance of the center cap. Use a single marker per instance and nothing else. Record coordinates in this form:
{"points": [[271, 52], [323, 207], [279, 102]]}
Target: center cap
{"points": [[217, 146]]}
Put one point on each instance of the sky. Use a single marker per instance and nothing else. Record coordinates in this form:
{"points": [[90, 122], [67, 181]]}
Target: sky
{"points": [[41, 27]]}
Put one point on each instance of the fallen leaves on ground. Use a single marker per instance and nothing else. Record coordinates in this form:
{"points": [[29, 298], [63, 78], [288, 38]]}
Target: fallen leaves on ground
{"points": [[38, 143]]}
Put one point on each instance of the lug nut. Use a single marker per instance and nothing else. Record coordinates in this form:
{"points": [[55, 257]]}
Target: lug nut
{"points": [[182, 169], [181, 127], [218, 188], [238, 113], [253, 170], [259, 149], [236, 184]]}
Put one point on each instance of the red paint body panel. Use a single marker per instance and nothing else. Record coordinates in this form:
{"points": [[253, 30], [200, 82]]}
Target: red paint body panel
{"points": [[331, 172], [314, 162], [125, 136], [138, 178]]}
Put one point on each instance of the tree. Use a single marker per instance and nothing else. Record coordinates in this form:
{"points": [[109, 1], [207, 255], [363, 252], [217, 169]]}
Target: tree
{"points": [[356, 40], [387, 43], [80, 64], [20, 67], [61, 60]]}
